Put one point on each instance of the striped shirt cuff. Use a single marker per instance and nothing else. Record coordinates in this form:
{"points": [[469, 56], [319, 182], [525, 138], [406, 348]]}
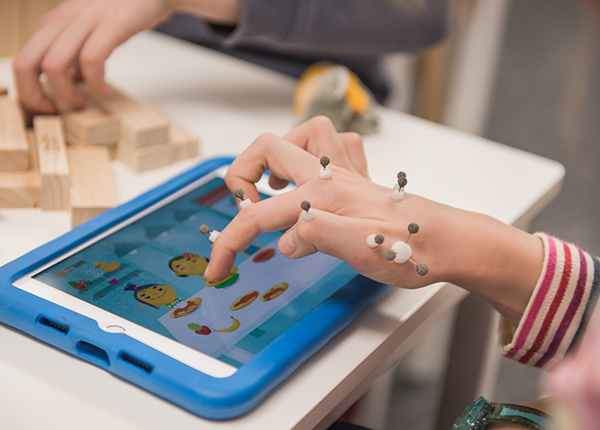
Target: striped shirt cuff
{"points": [[557, 309]]}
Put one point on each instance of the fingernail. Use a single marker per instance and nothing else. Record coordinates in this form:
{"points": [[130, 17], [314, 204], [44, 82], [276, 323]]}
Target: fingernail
{"points": [[286, 244], [207, 271]]}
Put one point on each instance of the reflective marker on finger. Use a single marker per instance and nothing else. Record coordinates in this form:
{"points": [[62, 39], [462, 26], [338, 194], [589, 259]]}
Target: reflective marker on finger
{"points": [[244, 203], [213, 235], [308, 214], [325, 172]]}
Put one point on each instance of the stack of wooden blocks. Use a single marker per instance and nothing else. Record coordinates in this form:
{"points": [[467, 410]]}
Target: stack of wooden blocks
{"points": [[39, 169]]}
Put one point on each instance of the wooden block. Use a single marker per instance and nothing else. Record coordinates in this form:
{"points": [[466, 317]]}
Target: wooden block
{"points": [[14, 151], [183, 144], [140, 124], [90, 126], [22, 189], [141, 159], [54, 168], [110, 147], [91, 189]]}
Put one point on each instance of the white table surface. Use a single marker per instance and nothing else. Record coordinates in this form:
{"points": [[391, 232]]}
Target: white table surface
{"points": [[228, 103]]}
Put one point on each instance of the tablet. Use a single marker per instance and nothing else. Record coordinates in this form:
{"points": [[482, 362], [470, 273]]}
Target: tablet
{"points": [[126, 291]]}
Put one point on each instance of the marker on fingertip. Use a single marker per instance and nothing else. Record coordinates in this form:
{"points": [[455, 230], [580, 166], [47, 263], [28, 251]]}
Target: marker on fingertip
{"points": [[212, 235], [398, 193], [374, 240], [325, 172], [308, 214], [244, 203]]}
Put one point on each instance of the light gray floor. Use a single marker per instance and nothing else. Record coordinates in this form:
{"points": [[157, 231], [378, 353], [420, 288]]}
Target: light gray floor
{"points": [[529, 113]]}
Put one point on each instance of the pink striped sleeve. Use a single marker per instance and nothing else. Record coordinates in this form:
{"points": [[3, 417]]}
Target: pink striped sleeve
{"points": [[556, 308]]}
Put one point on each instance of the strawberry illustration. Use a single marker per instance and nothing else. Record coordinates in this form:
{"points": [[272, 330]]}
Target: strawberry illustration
{"points": [[200, 329]]}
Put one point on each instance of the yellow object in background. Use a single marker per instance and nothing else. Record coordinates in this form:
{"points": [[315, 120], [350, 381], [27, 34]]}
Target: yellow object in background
{"points": [[336, 92]]}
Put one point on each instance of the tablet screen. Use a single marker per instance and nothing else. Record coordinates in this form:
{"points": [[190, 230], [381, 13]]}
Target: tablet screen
{"points": [[151, 273]]}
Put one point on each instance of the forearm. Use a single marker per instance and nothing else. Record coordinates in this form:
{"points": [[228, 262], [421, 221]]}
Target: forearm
{"points": [[333, 27], [226, 12]]}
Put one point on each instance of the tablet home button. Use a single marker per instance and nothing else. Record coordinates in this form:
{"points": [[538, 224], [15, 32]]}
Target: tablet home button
{"points": [[114, 329]]}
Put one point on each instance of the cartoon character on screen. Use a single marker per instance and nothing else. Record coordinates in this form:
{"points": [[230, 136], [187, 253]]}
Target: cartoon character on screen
{"points": [[189, 264], [156, 295]]}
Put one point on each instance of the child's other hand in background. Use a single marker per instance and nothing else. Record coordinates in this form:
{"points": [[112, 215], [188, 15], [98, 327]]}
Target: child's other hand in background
{"points": [[71, 44]]}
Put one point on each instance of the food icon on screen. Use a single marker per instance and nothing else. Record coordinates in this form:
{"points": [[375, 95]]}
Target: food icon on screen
{"points": [[188, 264], [157, 295], [274, 292], [200, 329], [264, 255], [107, 267], [244, 300], [80, 285], [185, 309], [233, 327]]}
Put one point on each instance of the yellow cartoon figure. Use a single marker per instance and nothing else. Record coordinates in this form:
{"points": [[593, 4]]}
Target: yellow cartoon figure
{"points": [[156, 295], [189, 264]]}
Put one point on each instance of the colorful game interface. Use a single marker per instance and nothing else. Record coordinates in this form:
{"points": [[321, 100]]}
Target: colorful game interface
{"points": [[151, 273]]}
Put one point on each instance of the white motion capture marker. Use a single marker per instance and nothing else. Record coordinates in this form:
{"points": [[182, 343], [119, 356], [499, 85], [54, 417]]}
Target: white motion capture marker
{"points": [[244, 203], [398, 194], [308, 214], [214, 235], [403, 252], [374, 240], [325, 172]]}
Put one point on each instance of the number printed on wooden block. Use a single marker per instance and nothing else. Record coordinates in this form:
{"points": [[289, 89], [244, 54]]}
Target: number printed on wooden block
{"points": [[54, 168], [91, 188], [22, 189], [140, 125], [14, 151]]}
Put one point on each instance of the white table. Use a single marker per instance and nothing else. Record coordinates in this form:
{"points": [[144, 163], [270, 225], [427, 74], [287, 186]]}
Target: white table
{"points": [[228, 103]]}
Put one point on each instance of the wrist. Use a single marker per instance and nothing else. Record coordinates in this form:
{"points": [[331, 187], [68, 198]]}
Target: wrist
{"points": [[498, 262]]}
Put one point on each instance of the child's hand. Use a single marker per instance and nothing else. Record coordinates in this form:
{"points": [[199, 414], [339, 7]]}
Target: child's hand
{"points": [[72, 43], [498, 262], [348, 207]]}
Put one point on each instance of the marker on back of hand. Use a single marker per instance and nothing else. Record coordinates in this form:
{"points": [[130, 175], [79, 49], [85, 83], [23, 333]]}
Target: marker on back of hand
{"points": [[308, 214], [244, 203], [213, 235], [398, 193], [325, 172], [401, 251], [374, 240]]}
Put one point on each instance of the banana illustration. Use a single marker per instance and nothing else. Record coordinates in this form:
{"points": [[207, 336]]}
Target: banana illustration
{"points": [[234, 326]]}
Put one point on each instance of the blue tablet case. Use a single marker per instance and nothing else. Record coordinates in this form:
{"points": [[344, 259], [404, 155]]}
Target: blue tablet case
{"points": [[216, 398]]}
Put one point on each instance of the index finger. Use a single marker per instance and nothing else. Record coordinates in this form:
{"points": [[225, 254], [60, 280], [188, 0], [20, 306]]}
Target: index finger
{"points": [[270, 152], [283, 212]]}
